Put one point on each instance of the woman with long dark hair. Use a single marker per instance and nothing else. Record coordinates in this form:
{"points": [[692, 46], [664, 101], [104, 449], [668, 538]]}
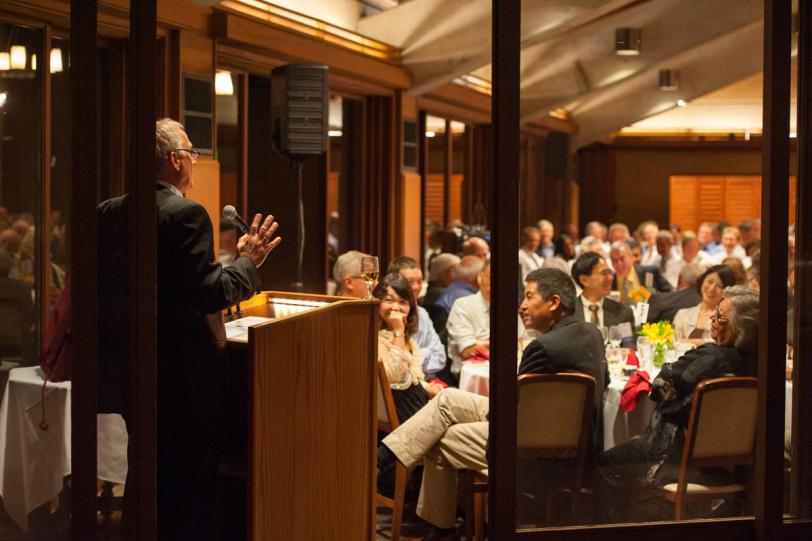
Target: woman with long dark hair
{"points": [[396, 348]]}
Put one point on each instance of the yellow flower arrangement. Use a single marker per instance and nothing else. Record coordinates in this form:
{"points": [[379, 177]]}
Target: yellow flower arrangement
{"points": [[639, 294], [660, 333]]}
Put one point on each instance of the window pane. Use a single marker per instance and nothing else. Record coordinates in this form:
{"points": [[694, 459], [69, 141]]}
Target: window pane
{"points": [[32, 487]]}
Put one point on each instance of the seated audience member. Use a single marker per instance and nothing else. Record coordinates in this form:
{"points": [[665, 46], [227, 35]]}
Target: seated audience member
{"points": [[442, 274], [465, 284], [731, 247], [670, 261], [630, 276], [704, 234], [477, 247], [469, 323], [653, 458], [692, 252], [591, 272], [398, 350], [738, 269], [432, 350], [692, 323], [546, 247], [750, 230], [451, 432], [636, 250], [564, 254], [618, 232], [347, 275], [598, 231], [664, 306], [432, 242], [647, 236], [529, 260], [592, 244]]}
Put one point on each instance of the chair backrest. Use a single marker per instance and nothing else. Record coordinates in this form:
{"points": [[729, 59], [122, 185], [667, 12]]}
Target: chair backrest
{"points": [[722, 425], [387, 414], [554, 414]]}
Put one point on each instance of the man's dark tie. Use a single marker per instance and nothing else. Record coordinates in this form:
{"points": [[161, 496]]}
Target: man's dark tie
{"points": [[594, 309]]}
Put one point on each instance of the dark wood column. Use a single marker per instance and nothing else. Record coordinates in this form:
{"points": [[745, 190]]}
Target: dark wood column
{"points": [[801, 401], [143, 272], [774, 215], [505, 267], [84, 269]]}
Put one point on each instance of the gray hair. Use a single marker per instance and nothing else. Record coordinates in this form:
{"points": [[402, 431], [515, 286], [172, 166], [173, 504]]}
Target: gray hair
{"points": [[745, 318], [347, 264], [469, 267], [167, 138], [690, 273], [551, 282], [545, 223], [621, 246], [665, 234]]}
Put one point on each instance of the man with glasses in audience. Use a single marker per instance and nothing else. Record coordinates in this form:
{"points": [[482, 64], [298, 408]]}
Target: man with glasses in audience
{"points": [[347, 275], [591, 272], [451, 432]]}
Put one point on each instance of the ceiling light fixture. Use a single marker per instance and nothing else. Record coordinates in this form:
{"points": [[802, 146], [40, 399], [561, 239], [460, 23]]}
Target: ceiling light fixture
{"points": [[627, 41], [682, 103], [669, 80], [430, 134], [56, 60], [18, 57], [223, 85]]}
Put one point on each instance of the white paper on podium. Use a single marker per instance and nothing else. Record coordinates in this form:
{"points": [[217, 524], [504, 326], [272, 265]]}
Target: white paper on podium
{"points": [[238, 329]]}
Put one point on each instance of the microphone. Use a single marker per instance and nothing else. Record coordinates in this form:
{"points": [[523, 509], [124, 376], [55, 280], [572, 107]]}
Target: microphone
{"points": [[230, 214]]}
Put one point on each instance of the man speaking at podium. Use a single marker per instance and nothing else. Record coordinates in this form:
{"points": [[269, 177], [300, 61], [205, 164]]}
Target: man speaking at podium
{"points": [[193, 289]]}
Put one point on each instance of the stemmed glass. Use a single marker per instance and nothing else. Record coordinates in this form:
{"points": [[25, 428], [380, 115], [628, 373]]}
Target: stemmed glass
{"points": [[615, 336], [369, 272]]}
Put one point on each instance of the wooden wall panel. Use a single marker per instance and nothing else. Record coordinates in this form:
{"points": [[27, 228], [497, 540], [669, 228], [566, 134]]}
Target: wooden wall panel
{"points": [[711, 199], [410, 209], [742, 199], [332, 191], [683, 194], [435, 197], [207, 192], [455, 197]]}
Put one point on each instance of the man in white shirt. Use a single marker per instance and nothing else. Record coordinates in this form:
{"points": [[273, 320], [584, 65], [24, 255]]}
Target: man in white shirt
{"points": [[591, 272], [469, 322], [529, 260]]}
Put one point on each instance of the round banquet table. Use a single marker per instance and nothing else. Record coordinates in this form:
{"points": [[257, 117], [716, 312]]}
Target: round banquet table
{"points": [[475, 377], [33, 461]]}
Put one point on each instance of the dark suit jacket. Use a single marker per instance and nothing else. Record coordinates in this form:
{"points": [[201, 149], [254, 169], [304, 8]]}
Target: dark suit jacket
{"points": [[658, 281], [193, 289], [664, 306], [571, 346], [614, 313]]}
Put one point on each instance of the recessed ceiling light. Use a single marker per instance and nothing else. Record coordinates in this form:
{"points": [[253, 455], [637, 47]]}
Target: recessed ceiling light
{"points": [[669, 80], [430, 134], [682, 103], [627, 41]]}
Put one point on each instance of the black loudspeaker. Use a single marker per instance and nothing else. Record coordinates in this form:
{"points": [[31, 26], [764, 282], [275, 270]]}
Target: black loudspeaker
{"points": [[557, 164], [299, 109]]}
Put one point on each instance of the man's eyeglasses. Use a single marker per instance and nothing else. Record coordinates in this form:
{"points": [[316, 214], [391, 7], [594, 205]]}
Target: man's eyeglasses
{"points": [[718, 317], [192, 152], [607, 272]]}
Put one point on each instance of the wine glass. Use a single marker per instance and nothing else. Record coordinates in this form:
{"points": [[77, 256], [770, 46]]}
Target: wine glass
{"points": [[615, 336], [369, 272], [604, 334], [644, 348]]}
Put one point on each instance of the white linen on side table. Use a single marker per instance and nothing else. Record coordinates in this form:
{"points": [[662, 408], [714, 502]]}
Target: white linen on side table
{"points": [[33, 461]]}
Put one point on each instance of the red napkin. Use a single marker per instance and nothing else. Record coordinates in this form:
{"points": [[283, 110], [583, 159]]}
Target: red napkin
{"points": [[632, 359], [638, 383], [480, 355]]}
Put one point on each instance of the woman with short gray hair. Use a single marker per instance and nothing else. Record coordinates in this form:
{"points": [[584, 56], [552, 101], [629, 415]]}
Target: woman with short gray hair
{"points": [[654, 456]]}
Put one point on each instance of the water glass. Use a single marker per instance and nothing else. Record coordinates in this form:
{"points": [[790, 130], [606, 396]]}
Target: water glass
{"points": [[615, 336]]}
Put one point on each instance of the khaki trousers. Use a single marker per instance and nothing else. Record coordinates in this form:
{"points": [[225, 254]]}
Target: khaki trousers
{"points": [[450, 433]]}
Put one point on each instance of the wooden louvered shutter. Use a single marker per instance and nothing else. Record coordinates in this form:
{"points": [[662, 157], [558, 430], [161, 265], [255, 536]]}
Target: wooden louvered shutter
{"points": [[683, 202]]}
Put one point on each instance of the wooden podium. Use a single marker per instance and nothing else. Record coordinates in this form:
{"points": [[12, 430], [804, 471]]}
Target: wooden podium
{"points": [[311, 417]]}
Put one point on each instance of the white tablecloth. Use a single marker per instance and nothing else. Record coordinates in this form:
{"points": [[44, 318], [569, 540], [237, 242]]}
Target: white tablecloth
{"points": [[475, 377], [619, 426], [34, 462]]}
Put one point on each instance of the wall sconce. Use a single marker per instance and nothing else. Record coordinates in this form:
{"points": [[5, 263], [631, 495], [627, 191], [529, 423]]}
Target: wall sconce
{"points": [[5, 62], [33, 62], [223, 85], [627, 41], [56, 60], [669, 80], [18, 57]]}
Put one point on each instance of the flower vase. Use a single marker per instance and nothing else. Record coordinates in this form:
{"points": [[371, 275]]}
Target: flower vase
{"points": [[659, 356]]}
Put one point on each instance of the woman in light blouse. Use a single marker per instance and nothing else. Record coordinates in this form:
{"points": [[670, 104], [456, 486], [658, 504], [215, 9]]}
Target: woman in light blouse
{"points": [[692, 323], [396, 348]]}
